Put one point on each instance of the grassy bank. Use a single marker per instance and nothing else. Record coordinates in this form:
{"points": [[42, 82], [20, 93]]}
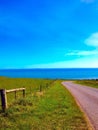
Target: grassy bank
{"points": [[31, 85], [52, 109], [91, 83]]}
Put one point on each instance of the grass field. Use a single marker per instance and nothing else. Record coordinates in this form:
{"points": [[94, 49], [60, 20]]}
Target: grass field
{"points": [[91, 83], [51, 109]]}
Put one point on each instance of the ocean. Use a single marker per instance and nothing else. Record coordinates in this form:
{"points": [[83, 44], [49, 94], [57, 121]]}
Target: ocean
{"points": [[68, 73]]}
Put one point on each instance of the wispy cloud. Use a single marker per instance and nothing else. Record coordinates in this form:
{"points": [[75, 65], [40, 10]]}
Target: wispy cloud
{"points": [[91, 62], [92, 40], [82, 53]]}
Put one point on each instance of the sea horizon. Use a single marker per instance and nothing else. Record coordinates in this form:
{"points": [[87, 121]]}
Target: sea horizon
{"points": [[51, 73]]}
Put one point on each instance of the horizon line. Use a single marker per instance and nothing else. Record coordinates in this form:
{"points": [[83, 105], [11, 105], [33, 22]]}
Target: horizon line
{"points": [[49, 68]]}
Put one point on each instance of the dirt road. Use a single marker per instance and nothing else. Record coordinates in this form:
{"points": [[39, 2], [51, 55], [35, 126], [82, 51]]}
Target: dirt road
{"points": [[87, 98]]}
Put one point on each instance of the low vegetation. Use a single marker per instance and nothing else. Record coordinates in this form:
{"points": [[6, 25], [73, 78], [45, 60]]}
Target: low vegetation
{"points": [[91, 83], [51, 108]]}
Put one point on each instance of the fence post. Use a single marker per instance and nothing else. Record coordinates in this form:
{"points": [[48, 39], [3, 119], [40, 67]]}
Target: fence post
{"points": [[15, 95], [23, 93], [40, 88], [3, 99], [46, 85]]}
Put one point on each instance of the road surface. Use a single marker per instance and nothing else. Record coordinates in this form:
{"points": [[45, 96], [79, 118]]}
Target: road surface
{"points": [[87, 98]]}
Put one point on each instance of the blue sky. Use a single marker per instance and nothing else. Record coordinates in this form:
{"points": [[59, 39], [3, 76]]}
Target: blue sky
{"points": [[48, 33]]}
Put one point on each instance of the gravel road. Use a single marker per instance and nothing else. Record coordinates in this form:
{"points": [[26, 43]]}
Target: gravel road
{"points": [[87, 98]]}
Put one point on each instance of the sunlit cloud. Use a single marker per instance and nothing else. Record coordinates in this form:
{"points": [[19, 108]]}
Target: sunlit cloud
{"points": [[92, 40], [91, 62], [82, 53]]}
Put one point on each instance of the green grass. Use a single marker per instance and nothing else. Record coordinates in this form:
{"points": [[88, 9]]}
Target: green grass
{"points": [[31, 85], [54, 110], [91, 83]]}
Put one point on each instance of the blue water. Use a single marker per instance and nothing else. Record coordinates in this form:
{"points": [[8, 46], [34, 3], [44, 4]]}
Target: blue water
{"points": [[52, 73]]}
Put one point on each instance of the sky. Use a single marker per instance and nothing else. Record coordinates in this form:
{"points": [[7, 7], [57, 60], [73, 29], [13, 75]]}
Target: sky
{"points": [[48, 34]]}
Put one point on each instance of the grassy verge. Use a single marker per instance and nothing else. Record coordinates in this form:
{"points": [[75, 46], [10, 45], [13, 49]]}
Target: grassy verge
{"points": [[91, 83], [54, 109], [32, 85]]}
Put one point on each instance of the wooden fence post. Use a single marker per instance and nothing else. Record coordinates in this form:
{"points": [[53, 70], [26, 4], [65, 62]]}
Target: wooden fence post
{"points": [[23, 93], [3, 93], [46, 85], [15, 95], [40, 88], [3, 99]]}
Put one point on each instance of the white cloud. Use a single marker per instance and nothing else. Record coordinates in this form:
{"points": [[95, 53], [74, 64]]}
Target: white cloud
{"points": [[89, 59], [91, 62], [92, 40], [82, 53]]}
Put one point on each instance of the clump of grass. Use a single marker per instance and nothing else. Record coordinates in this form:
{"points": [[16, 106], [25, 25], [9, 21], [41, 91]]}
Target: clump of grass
{"points": [[55, 110], [91, 83]]}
